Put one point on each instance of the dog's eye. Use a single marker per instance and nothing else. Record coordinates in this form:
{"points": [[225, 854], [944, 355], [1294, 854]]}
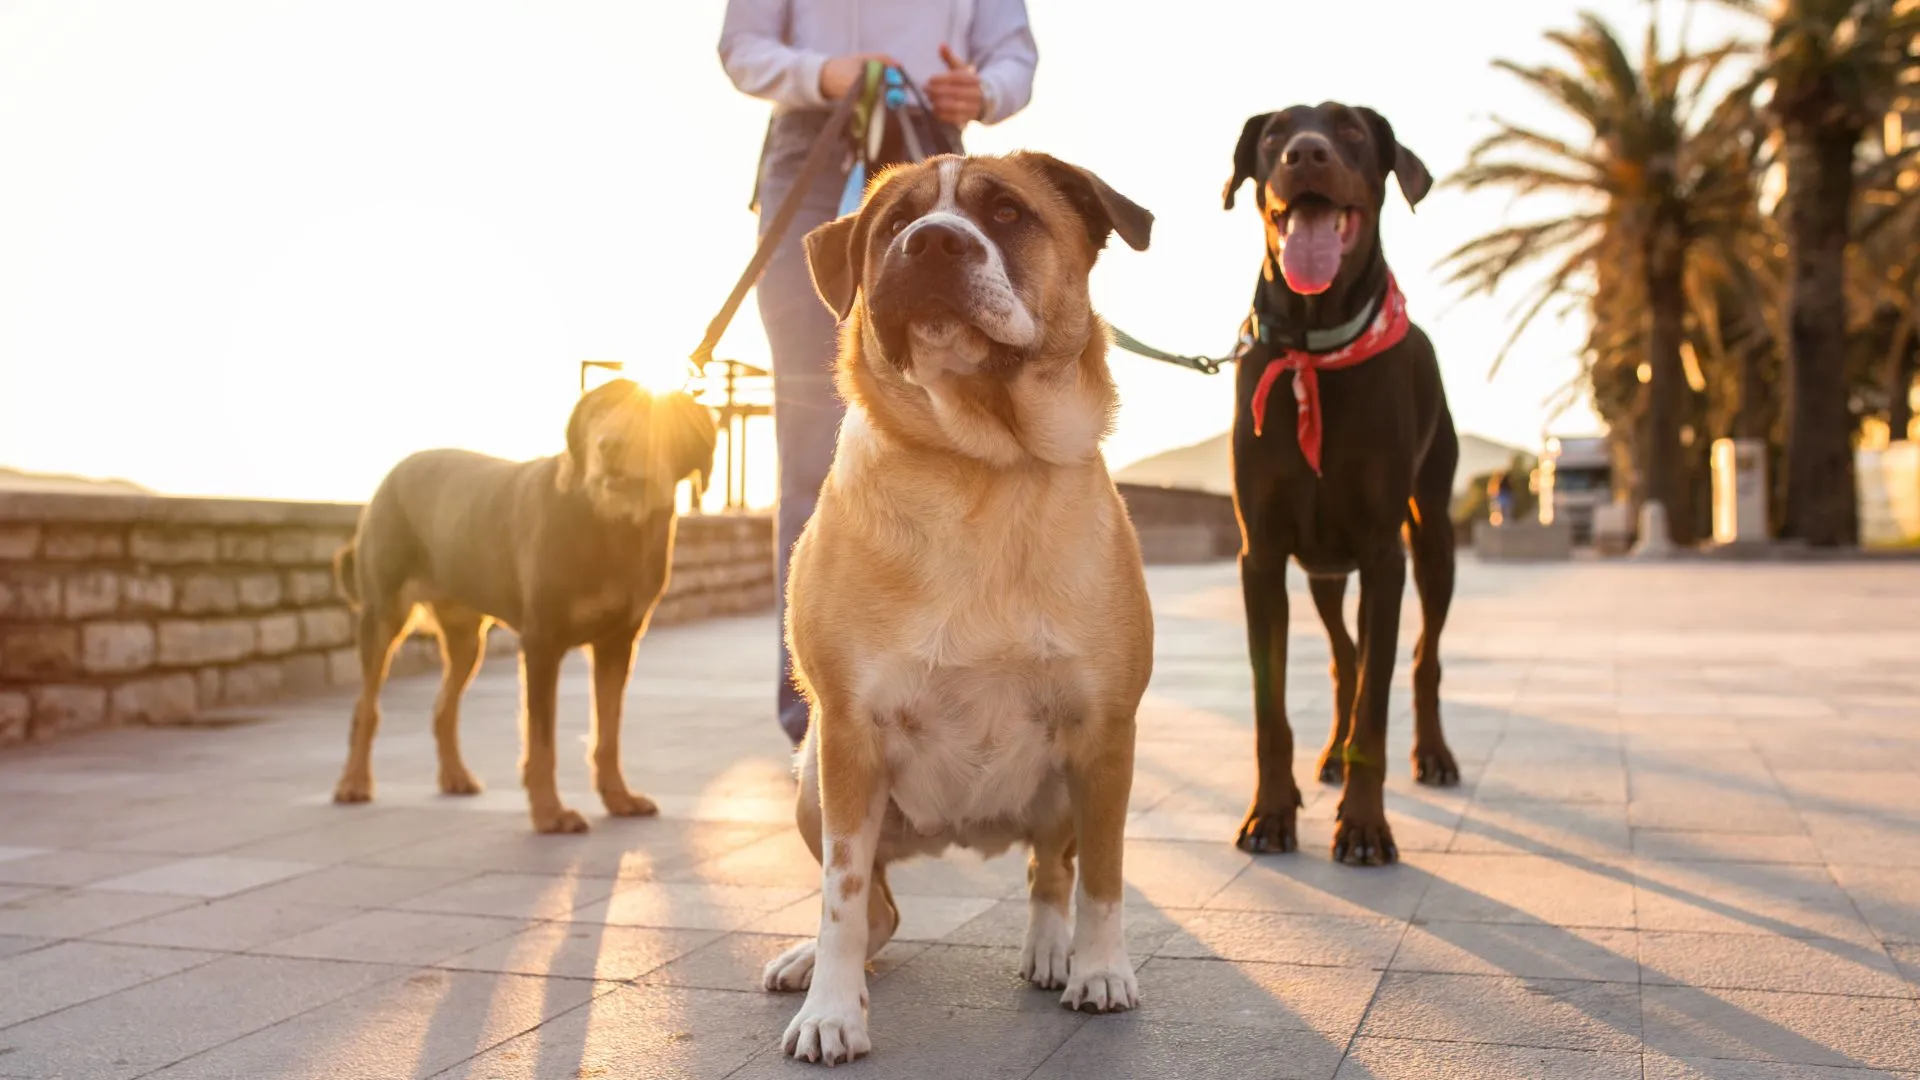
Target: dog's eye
{"points": [[1006, 212], [899, 222], [1352, 134]]}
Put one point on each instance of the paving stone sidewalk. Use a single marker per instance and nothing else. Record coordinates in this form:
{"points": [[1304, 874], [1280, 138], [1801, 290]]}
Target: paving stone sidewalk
{"points": [[1687, 847]]}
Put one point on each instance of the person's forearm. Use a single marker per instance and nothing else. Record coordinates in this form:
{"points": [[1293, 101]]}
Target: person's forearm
{"points": [[1004, 53], [770, 69], [757, 57], [1007, 87]]}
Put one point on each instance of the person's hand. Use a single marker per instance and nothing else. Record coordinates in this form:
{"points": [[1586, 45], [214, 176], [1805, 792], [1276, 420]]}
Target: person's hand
{"points": [[838, 75], [955, 93]]}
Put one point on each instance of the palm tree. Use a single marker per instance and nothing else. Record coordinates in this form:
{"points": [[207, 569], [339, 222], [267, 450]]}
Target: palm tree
{"points": [[1833, 68], [1651, 184]]}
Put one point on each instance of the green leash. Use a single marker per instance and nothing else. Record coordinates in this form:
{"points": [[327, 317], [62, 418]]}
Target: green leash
{"points": [[1205, 365]]}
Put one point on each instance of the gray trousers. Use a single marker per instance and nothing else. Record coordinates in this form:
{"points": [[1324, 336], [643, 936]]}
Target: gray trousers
{"points": [[802, 336]]}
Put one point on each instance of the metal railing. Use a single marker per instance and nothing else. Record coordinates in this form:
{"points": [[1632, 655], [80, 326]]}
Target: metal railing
{"points": [[736, 393]]}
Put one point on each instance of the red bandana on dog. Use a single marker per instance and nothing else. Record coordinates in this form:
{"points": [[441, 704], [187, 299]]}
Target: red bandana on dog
{"points": [[1388, 327]]}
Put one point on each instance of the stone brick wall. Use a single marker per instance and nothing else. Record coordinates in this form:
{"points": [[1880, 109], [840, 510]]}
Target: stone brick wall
{"points": [[1181, 526], [126, 609]]}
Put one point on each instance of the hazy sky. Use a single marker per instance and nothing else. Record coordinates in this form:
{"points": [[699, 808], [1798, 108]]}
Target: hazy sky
{"points": [[268, 247]]}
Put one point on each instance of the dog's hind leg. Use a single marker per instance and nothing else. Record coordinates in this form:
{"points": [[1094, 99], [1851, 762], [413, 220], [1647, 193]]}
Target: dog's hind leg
{"points": [[612, 663], [463, 641], [1043, 960], [1433, 566], [1270, 824], [380, 626], [1329, 599]]}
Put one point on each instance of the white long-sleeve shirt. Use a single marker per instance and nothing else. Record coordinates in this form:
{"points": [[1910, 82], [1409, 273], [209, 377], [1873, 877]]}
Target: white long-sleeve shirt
{"points": [[774, 49]]}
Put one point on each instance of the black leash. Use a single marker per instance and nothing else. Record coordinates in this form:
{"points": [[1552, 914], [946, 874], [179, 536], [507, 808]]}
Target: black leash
{"points": [[1205, 365], [870, 95], [823, 146], [868, 100]]}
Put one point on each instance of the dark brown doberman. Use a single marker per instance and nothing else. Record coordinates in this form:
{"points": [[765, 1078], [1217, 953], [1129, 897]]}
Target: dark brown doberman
{"points": [[1354, 458]]}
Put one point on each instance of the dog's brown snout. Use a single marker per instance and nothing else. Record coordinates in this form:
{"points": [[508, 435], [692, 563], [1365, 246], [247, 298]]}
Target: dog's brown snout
{"points": [[935, 240], [611, 445], [1306, 150]]}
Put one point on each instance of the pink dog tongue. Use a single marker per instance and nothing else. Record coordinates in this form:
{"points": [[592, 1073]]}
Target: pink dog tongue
{"points": [[1311, 256]]}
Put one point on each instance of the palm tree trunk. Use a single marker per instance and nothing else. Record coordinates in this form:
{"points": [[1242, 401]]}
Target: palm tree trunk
{"points": [[1821, 505], [1666, 466], [1900, 386]]}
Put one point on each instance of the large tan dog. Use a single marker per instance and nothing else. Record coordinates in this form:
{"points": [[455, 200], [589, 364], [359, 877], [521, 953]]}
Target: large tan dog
{"points": [[967, 611], [567, 550]]}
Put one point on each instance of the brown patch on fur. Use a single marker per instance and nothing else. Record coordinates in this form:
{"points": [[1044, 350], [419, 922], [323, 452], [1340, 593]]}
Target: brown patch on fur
{"points": [[842, 855], [850, 886]]}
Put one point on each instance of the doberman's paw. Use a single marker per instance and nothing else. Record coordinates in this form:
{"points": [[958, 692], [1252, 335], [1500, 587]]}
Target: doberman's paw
{"points": [[1329, 768], [1270, 832], [1435, 766], [1363, 839]]}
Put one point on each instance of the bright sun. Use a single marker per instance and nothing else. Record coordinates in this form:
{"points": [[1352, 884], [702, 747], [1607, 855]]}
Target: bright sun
{"points": [[656, 374]]}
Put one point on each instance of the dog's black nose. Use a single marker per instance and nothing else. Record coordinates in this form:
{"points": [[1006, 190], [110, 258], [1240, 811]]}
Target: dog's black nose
{"points": [[939, 240], [1306, 150]]}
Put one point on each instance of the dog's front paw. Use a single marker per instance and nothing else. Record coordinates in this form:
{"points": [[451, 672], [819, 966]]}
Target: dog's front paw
{"points": [[1269, 827], [559, 820], [1362, 838], [623, 803], [1331, 768], [1434, 766], [1043, 960], [1102, 986], [830, 1029], [458, 781], [791, 970], [353, 789]]}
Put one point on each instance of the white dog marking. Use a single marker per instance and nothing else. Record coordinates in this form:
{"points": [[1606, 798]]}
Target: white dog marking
{"points": [[832, 1025], [1102, 977], [988, 301], [1043, 960]]}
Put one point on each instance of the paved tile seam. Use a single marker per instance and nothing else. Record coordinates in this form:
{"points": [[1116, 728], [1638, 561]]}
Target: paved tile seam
{"points": [[401, 972], [116, 990], [1373, 999]]}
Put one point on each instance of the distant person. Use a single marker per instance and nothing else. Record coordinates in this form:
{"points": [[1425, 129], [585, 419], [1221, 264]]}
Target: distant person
{"points": [[1499, 499], [974, 60]]}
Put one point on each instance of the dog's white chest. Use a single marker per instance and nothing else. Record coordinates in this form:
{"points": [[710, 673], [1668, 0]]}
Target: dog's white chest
{"points": [[970, 707]]}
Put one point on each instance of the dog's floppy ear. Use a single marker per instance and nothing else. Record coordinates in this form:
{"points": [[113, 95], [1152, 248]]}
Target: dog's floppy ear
{"points": [[836, 257], [690, 437], [1415, 180], [573, 463], [1105, 210], [1246, 159]]}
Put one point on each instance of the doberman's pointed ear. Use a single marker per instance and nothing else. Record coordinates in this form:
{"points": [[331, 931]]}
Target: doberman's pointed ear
{"points": [[1246, 159], [1415, 180], [1104, 210]]}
